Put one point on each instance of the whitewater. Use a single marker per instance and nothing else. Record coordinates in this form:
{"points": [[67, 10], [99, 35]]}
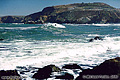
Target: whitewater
{"points": [[39, 45]]}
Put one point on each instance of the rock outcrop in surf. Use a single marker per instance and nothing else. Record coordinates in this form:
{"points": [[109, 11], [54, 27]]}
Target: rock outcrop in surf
{"points": [[9, 75], [95, 38], [45, 72], [108, 70]]}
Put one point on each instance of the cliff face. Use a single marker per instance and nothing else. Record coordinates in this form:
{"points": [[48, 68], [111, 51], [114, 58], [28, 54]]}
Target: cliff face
{"points": [[80, 13], [76, 13], [11, 19]]}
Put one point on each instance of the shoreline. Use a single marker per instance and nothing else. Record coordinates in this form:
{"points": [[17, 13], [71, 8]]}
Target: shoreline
{"points": [[108, 70]]}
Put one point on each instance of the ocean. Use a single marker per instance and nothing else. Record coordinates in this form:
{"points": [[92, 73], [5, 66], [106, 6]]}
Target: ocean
{"points": [[39, 45]]}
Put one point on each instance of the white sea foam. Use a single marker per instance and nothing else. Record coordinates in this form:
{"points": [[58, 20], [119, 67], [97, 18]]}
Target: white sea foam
{"points": [[106, 24], [94, 24], [101, 24], [94, 35], [19, 28], [18, 23], [54, 28], [54, 25], [41, 53]]}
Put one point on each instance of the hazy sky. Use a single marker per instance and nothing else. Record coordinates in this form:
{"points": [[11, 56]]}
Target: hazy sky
{"points": [[25, 7]]}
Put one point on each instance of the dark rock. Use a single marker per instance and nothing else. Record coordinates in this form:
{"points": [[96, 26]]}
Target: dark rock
{"points": [[109, 70], [9, 75], [72, 66], [45, 72], [22, 67], [96, 38], [22, 73], [91, 40], [33, 71], [66, 76], [1, 39]]}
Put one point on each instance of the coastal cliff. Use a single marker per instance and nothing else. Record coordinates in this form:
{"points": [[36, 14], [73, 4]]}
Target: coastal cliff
{"points": [[78, 13], [11, 19]]}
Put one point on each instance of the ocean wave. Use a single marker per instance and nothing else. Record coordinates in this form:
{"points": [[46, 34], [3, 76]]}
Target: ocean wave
{"points": [[105, 24], [93, 24], [54, 25], [43, 45], [19, 28], [54, 28], [41, 53]]}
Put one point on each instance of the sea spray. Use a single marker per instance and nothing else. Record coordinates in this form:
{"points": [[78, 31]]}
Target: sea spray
{"points": [[38, 46]]}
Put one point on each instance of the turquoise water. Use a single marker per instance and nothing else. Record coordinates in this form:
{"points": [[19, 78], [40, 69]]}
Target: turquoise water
{"points": [[40, 45]]}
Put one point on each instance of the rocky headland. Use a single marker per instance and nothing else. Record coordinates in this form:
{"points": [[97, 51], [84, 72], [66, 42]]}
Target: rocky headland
{"points": [[12, 19], [77, 13]]}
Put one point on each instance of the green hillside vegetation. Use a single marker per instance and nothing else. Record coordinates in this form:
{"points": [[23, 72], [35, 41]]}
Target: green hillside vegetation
{"points": [[76, 13], [11, 19], [80, 13]]}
